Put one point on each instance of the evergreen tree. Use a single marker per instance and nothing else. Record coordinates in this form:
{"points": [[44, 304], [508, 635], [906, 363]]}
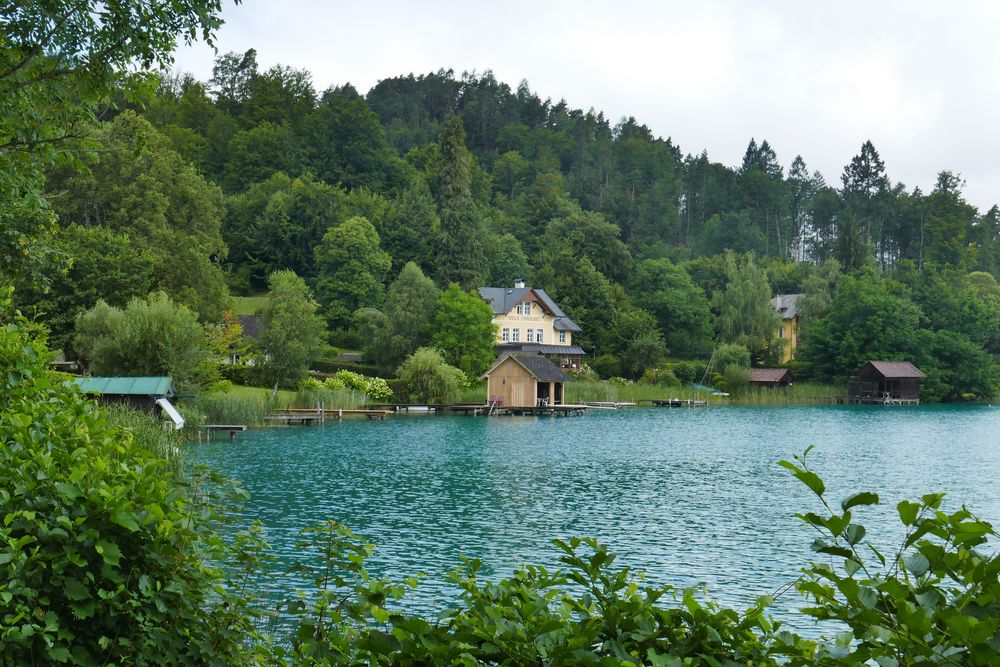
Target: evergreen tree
{"points": [[461, 246]]}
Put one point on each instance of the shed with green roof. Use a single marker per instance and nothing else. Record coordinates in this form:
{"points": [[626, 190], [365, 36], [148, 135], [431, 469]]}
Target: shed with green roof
{"points": [[148, 393]]}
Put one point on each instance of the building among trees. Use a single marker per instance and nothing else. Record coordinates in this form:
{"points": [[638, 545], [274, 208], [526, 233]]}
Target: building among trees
{"points": [[786, 306], [770, 377], [528, 320], [885, 381]]}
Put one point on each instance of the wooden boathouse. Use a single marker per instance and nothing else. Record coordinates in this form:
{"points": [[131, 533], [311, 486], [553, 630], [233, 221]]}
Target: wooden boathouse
{"points": [[525, 380], [887, 382], [771, 378]]}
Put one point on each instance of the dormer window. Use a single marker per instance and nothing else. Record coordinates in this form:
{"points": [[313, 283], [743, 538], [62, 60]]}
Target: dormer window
{"points": [[524, 308]]}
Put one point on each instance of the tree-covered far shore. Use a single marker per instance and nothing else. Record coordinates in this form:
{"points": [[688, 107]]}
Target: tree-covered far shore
{"points": [[216, 185]]}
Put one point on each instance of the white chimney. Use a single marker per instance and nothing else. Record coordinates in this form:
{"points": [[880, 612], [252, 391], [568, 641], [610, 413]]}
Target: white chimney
{"points": [[518, 284]]}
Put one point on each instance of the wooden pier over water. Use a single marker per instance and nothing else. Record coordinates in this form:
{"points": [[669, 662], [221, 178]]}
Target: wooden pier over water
{"points": [[675, 403]]}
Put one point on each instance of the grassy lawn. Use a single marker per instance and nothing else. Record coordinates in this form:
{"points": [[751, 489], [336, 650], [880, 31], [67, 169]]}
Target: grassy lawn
{"points": [[243, 392], [249, 305]]}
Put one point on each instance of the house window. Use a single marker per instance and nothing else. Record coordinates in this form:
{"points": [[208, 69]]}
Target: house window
{"points": [[538, 336], [505, 335], [516, 338], [562, 336], [531, 335], [781, 332], [524, 308]]}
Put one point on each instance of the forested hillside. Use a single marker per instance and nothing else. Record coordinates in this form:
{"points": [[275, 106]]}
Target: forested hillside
{"points": [[655, 250]]}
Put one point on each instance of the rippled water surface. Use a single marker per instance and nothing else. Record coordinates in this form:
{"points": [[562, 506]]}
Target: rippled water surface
{"points": [[688, 496]]}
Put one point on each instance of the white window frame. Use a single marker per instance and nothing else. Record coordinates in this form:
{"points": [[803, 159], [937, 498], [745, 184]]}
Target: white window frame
{"points": [[539, 333], [505, 334], [562, 336], [530, 338], [515, 335], [524, 308]]}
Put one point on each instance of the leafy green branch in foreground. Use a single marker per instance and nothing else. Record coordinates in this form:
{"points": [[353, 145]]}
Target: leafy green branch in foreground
{"points": [[934, 601]]}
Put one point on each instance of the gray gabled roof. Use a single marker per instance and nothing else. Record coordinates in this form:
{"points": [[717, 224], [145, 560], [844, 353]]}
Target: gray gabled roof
{"points": [[895, 369], [786, 305], [503, 300], [541, 348], [538, 366]]}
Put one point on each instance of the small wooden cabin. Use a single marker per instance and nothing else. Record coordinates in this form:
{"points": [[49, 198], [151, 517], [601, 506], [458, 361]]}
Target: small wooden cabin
{"points": [[895, 380], [525, 380], [149, 394], [770, 377]]}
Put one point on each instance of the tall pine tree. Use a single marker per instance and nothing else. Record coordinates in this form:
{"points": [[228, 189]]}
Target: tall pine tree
{"points": [[461, 245]]}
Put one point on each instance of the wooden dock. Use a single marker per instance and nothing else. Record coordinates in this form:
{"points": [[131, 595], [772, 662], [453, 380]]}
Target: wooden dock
{"points": [[311, 416], [676, 403], [209, 429], [607, 405], [876, 400]]}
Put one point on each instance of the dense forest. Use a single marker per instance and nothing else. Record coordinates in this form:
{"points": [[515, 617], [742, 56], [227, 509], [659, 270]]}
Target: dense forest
{"points": [[659, 254]]}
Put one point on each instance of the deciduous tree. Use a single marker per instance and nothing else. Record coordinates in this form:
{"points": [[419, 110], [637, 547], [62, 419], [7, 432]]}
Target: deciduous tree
{"points": [[291, 331], [351, 268], [464, 330]]}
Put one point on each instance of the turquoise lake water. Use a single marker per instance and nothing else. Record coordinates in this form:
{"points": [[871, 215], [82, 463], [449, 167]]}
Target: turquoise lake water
{"points": [[690, 496]]}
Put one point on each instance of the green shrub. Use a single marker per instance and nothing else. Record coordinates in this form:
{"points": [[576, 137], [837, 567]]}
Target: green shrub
{"points": [[737, 378], [104, 550], [607, 365], [731, 355], [428, 379], [687, 372], [660, 375]]}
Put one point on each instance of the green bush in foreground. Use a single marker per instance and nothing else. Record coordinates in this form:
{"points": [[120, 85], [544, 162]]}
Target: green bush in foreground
{"points": [[105, 553]]}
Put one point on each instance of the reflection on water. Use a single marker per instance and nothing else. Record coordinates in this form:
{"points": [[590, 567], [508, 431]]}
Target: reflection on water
{"points": [[688, 496]]}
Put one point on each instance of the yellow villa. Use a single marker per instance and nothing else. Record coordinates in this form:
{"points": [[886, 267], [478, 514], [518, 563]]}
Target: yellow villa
{"points": [[528, 320], [786, 306]]}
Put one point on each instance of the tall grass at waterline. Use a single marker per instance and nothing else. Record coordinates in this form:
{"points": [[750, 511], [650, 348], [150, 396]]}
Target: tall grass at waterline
{"points": [[146, 430], [474, 395], [332, 399], [226, 408], [805, 393], [614, 392]]}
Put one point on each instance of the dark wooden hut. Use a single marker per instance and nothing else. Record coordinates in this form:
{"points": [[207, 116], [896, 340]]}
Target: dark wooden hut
{"points": [[887, 381], [770, 377], [525, 380]]}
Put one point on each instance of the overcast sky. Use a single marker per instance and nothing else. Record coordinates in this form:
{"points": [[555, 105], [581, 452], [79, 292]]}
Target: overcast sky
{"points": [[920, 79]]}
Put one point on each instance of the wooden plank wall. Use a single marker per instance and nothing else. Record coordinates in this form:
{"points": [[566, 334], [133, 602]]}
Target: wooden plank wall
{"points": [[515, 385]]}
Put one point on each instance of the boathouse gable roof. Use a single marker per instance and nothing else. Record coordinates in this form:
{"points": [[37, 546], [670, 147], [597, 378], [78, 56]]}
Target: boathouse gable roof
{"points": [[893, 369], [770, 375], [536, 365]]}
